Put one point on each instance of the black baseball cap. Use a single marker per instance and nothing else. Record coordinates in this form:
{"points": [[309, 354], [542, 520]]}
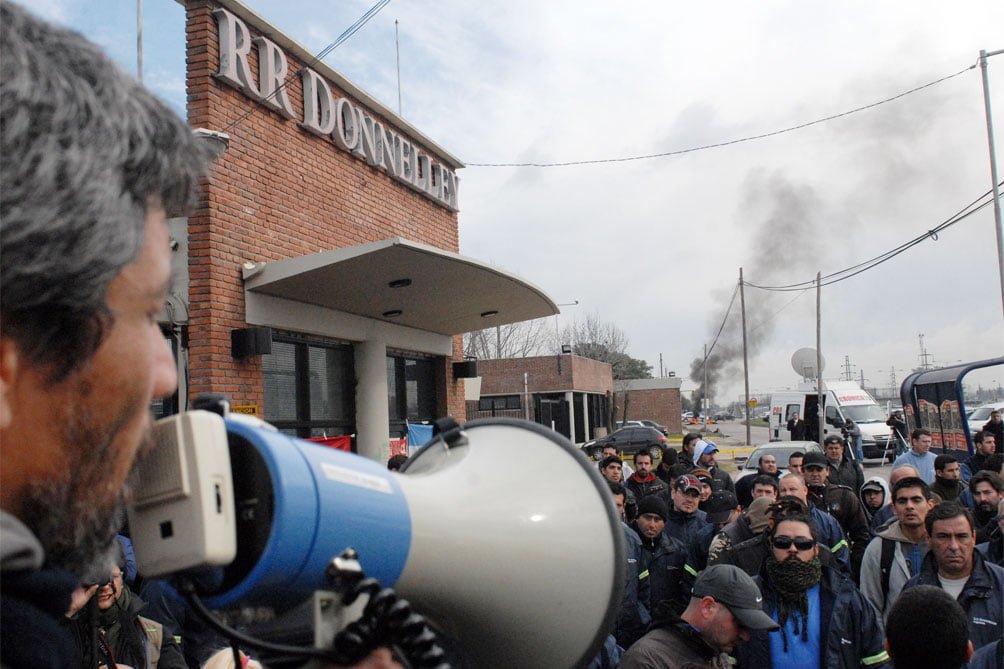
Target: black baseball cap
{"points": [[734, 588], [720, 506], [814, 459]]}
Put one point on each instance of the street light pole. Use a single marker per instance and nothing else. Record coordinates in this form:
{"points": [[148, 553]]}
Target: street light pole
{"points": [[999, 227]]}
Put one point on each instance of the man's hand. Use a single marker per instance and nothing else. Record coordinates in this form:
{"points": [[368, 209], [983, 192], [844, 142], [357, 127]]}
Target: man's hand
{"points": [[80, 598]]}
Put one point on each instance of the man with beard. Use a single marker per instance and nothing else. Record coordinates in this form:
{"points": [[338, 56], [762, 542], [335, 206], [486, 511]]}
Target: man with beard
{"points": [[947, 478], [995, 427], [724, 607], [92, 164], [662, 569], [643, 482], [894, 556], [843, 470], [824, 620], [954, 565], [983, 444], [704, 458], [840, 502], [684, 520], [987, 489], [828, 530], [993, 548]]}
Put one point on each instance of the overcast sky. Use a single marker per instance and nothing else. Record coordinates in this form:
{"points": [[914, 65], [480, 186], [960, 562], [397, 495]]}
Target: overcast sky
{"points": [[655, 245]]}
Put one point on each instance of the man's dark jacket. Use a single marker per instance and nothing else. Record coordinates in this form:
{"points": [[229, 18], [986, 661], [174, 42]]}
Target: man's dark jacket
{"points": [[688, 528], [744, 486], [662, 574], [652, 485], [982, 597], [843, 504], [33, 601], [851, 636]]}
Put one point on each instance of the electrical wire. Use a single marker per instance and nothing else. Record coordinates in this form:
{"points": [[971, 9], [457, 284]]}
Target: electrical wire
{"points": [[720, 329], [323, 53], [730, 142], [854, 270]]}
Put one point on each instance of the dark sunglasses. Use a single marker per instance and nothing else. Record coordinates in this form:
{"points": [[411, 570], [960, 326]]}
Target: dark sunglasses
{"points": [[783, 543]]}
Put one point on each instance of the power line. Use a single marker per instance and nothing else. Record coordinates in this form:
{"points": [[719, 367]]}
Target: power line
{"points": [[854, 270], [323, 53], [724, 321], [730, 142]]}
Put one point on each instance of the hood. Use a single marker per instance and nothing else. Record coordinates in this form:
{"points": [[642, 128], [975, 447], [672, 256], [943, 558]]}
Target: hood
{"points": [[20, 550], [701, 446], [885, 489], [893, 531]]}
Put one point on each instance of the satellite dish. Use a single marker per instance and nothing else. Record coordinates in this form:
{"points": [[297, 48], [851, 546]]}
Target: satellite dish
{"points": [[804, 363]]}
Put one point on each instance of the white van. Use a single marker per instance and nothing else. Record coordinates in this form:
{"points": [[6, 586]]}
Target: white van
{"points": [[842, 400]]}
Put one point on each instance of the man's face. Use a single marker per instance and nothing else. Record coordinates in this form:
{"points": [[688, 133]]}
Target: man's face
{"points": [[834, 451], [685, 502], [794, 530], [791, 486], [707, 461], [705, 491], [768, 464], [873, 498], [619, 503], [922, 444], [911, 507], [951, 472], [643, 465], [995, 417], [816, 475], [952, 542], [612, 472], [723, 632], [761, 490], [795, 466], [650, 525], [110, 593], [78, 440], [609, 451], [985, 496], [987, 446]]}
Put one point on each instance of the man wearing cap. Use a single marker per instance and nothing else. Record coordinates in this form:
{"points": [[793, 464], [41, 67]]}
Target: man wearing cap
{"points": [[744, 486], [874, 496], [840, 502], [824, 620], [749, 524], [722, 509], [685, 521], [843, 470], [919, 455], [704, 458], [662, 574], [724, 607]]}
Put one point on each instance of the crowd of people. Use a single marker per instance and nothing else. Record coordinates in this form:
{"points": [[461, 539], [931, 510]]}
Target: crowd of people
{"points": [[829, 560]]}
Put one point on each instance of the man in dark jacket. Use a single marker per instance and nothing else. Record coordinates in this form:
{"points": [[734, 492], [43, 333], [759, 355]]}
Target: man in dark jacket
{"points": [[995, 426], [796, 427], [840, 502], [843, 470], [86, 264], [984, 446], [643, 482], [947, 478], [993, 548], [744, 486], [987, 489], [704, 458], [662, 575], [685, 521], [824, 620], [954, 565], [724, 607]]}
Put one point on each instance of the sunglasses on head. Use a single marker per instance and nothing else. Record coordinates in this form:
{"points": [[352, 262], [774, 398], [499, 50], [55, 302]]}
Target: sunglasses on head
{"points": [[783, 543]]}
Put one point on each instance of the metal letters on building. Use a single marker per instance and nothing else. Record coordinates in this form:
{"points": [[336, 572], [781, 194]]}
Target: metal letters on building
{"points": [[348, 125]]}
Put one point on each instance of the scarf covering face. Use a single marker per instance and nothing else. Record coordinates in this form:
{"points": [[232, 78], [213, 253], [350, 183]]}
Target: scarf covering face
{"points": [[791, 579]]}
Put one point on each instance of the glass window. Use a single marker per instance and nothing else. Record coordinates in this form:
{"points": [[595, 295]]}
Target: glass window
{"points": [[279, 369], [309, 387]]}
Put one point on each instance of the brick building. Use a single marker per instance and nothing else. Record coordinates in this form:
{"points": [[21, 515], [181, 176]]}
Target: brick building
{"points": [[320, 284], [652, 399], [568, 393]]}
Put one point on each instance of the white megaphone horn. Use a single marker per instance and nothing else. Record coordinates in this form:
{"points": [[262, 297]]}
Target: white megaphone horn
{"points": [[504, 535]]}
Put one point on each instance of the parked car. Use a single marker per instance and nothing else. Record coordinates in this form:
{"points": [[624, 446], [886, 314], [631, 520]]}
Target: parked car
{"points": [[643, 423], [628, 440], [979, 416], [780, 450]]}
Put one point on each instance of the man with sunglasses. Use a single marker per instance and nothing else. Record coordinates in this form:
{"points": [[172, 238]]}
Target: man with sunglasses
{"points": [[724, 609], [825, 621]]}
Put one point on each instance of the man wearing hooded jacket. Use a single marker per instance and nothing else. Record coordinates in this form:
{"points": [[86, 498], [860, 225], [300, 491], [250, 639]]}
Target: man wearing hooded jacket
{"points": [[704, 458]]}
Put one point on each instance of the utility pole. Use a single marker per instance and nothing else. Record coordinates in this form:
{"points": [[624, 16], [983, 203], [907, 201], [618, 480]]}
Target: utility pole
{"points": [[862, 384], [847, 368], [819, 356], [999, 226], [746, 367], [925, 357], [660, 365]]}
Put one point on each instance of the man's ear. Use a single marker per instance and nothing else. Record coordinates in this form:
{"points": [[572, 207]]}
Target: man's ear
{"points": [[10, 360], [969, 650]]}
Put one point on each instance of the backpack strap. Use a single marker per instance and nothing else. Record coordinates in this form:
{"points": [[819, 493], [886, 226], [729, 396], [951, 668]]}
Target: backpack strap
{"points": [[885, 564]]}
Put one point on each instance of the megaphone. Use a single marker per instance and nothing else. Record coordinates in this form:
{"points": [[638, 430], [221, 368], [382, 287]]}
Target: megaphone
{"points": [[506, 537]]}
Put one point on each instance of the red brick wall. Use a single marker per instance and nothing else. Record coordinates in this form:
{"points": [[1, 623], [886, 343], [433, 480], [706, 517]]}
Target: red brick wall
{"points": [[505, 376], [661, 405], [279, 192]]}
